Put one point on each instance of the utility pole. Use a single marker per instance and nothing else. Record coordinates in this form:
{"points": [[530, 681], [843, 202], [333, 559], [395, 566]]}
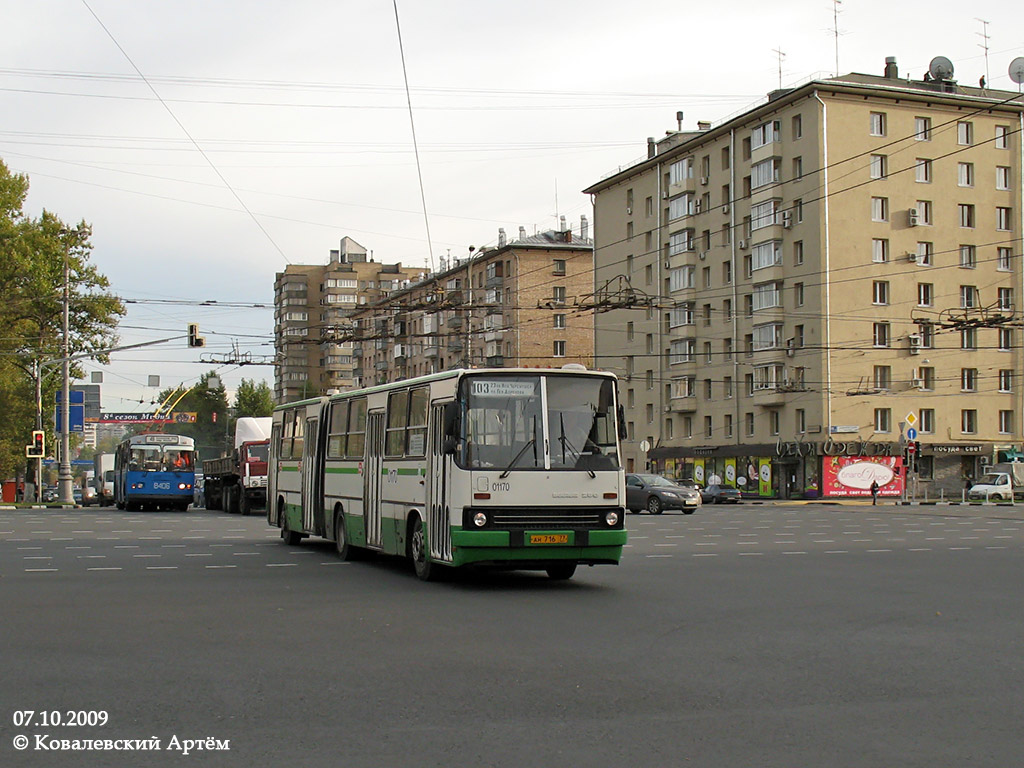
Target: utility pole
{"points": [[64, 471]]}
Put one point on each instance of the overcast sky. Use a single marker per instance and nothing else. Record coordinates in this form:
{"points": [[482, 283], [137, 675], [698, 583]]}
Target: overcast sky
{"points": [[263, 133]]}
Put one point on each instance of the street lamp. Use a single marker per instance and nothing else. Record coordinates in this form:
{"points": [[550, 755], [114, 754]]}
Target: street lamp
{"points": [[64, 471]]}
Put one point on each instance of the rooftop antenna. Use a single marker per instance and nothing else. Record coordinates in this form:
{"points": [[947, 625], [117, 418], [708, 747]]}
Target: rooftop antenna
{"points": [[556, 199], [679, 121], [941, 68], [835, 29], [1016, 71], [984, 36], [778, 52]]}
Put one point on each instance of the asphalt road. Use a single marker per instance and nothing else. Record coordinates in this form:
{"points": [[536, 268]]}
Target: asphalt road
{"points": [[742, 635]]}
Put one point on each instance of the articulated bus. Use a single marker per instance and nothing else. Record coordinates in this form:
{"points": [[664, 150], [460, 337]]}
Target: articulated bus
{"points": [[507, 468], [154, 471]]}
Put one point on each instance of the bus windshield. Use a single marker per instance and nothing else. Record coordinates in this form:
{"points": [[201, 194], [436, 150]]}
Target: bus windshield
{"points": [[504, 423], [156, 458]]}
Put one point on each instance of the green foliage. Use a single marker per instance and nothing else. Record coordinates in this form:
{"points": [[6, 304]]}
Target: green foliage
{"points": [[211, 429], [33, 253], [253, 399]]}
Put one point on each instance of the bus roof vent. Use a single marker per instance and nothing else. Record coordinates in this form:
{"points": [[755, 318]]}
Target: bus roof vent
{"points": [[574, 367]]}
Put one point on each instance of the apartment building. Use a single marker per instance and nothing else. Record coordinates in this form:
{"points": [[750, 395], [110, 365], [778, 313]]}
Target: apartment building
{"points": [[515, 305], [837, 271], [312, 307]]}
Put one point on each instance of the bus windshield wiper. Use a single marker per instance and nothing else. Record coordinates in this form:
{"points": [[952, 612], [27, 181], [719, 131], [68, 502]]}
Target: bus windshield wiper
{"points": [[504, 474], [572, 448]]}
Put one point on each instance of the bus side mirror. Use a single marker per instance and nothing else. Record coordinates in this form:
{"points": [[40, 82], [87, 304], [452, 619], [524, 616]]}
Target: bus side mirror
{"points": [[451, 422], [623, 434], [450, 445]]}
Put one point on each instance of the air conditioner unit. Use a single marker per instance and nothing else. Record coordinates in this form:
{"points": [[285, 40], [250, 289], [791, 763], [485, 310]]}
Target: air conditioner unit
{"points": [[911, 256], [668, 264], [704, 181], [915, 343], [629, 211], [702, 255], [664, 195], [917, 383], [787, 219], [913, 217], [668, 409], [725, 208], [742, 244]]}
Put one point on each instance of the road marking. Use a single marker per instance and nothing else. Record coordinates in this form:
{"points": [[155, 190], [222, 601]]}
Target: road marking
{"points": [[658, 555], [657, 545], [794, 553], [37, 557], [183, 538], [62, 538], [126, 546], [199, 554], [40, 570], [705, 554], [147, 555], [220, 566], [920, 549], [243, 554], [161, 567], [742, 554], [27, 548], [280, 565], [91, 557], [958, 549], [935, 538], [837, 551], [879, 550], [338, 562], [172, 546], [151, 538], [103, 569], [996, 547]]}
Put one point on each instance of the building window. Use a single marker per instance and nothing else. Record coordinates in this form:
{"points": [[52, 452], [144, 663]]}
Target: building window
{"points": [[924, 212], [926, 420], [965, 174], [926, 376], [1005, 339], [1006, 422], [559, 349], [650, 379], [708, 427], [748, 424], [968, 256], [649, 410], [879, 208], [798, 252], [798, 167], [966, 215], [1002, 137], [883, 376], [879, 250], [880, 292], [728, 425], [968, 296], [559, 321], [965, 133], [968, 421], [877, 122], [558, 294], [1002, 177], [629, 331], [924, 253], [559, 266], [801, 421], [925, 294], [767, 295], [766, 255], [883, 419], [765, 133], [764, 173], [880, 334], [763, 214], [923, 128], [798, 126], [923, 171], [968, 379], [969, 338], [1003, 219], [1006, 380], [798, 294], [927, 333], [1003, 256], [774, 422], [1005, 299], [879, 166]]}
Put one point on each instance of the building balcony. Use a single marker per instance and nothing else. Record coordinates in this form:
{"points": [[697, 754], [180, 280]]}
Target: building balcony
{"points": [[495, 282], [455, 345], [358, 372], [683, 405], [496, 361], [381, 365], [455, 322], [494, 335], [431, 351], [769, 398]]}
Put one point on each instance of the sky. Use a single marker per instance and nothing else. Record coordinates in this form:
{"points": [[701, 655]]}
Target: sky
{"points": [[210, 144]]}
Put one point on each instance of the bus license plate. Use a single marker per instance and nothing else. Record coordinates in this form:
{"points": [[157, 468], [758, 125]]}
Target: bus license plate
{"points": [[549, 538]]}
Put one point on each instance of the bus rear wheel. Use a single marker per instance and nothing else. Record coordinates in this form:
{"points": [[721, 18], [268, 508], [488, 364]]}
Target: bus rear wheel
{"points": [[425, 570], [341, 538], [288, 536], [561, 571]]}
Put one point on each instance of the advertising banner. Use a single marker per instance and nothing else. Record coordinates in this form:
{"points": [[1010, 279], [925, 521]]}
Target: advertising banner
{"points": [[764, 479], [853, 475]]}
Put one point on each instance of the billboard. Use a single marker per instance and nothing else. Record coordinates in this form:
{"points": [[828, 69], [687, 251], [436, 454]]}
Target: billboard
{"points": [[853, 475]]}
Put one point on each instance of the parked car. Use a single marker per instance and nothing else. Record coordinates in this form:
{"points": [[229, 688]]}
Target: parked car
{"points": [[718, 494], [656, 493], [50, 493], [76, 494]]}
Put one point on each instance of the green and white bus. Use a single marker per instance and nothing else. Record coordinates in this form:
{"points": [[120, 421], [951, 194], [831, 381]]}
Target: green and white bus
{"points": [[512, 468]]}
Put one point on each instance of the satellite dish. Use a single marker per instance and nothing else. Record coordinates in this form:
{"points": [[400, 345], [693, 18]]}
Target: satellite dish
{"points": [[1017, 70], [941, 68]]}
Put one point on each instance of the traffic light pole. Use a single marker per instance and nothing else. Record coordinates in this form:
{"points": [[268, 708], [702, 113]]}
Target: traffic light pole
{"points": [[64, 480]]}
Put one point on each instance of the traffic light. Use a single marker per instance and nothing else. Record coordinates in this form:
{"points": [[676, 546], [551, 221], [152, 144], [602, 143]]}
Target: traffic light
{"points": [[194, 339], [37, 449]]}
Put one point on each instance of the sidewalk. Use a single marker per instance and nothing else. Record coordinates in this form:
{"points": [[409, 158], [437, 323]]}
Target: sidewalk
{"points": [[1005, 510]]}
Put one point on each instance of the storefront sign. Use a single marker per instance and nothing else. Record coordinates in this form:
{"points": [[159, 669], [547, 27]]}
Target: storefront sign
{"points": [[795, 449], [855, 448], [954, 448]]}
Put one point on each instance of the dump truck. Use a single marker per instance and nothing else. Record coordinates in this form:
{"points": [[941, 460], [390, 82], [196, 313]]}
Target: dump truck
{"points": [[237, 482], [1001, 482]]}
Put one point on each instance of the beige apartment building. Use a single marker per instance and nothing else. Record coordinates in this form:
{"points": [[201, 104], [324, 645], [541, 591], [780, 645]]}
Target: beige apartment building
{"points": [[830, 270], [312, 309], [515, 305]]}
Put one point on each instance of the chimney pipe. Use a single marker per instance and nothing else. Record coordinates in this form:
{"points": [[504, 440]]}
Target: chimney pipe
{"points": [[652, 148], [522, 233], [703, 125], [892, 72], [584, 227], [501, 237], [561, 223], [679, 121]]}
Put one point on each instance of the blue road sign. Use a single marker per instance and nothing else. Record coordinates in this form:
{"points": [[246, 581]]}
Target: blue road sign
{"points": [[76, 417], [911, 434]]}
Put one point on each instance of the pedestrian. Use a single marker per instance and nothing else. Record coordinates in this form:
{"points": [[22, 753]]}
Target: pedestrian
{"points": [[874, 492]]}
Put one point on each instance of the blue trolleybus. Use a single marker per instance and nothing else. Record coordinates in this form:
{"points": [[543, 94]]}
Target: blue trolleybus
{"points": [[154, 471]]}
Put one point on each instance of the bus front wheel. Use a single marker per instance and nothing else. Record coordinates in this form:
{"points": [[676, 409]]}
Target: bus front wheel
{"points": [[288, 536], [561, 571], [425, 570]]}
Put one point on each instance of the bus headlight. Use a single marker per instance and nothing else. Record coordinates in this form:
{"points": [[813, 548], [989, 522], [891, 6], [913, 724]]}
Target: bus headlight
{"points": [[480, 519], [612, 518], [182, 486]]}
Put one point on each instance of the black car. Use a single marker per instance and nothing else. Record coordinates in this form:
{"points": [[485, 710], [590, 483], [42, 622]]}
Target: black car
{"points": [[718, 494], [655, 493]]}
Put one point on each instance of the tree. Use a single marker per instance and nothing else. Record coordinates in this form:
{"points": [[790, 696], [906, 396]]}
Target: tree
{"points": [[33, 252], [211, 429], [252, 399]]}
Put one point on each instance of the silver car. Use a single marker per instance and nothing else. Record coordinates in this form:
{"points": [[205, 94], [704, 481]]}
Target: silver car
{"points": [[655, 493]]}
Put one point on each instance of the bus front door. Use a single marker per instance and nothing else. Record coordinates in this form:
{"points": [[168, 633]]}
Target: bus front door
{"points": [[439, 467], [310, 500], [372, 478]]}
